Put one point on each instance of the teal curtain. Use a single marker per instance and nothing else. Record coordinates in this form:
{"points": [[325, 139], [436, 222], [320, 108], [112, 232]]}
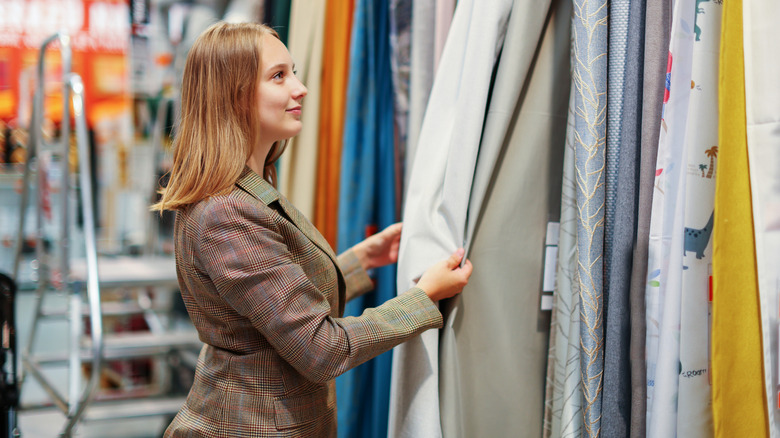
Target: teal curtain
{"points": [[367, 204]]}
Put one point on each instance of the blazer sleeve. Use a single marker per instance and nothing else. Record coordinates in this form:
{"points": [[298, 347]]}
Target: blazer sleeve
{"points": [[357, 279], [255, 274]]}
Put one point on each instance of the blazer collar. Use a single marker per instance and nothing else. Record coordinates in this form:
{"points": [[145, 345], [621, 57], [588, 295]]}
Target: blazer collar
{"points": [[257, 186]]}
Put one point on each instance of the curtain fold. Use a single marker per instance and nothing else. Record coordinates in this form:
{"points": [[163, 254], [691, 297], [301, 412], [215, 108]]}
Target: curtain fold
{"points": [[658, 19], [367, 204], [497, 319], [563, 396], [298, 164], [739, 402], [436, 201], [335, 73], [616, 403], [762, 106], [590, 41], [665, 256]]}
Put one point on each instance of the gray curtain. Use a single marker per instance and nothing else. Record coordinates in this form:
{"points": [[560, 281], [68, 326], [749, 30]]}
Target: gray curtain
{"points": [[494, 344]]}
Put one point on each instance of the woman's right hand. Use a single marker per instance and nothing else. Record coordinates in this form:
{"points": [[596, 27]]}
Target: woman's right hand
{"points": [[446, 278]]}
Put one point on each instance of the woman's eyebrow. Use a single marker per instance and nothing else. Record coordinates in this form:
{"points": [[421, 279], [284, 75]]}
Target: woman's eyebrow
{"points": [[280, 65]]}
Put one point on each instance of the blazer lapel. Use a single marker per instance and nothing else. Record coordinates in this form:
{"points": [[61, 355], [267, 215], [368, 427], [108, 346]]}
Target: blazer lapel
{"points": [[252, 183]]}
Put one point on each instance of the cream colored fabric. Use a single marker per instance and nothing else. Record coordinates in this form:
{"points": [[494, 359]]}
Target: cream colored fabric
{"points": [[298, 165], [762, 102]]}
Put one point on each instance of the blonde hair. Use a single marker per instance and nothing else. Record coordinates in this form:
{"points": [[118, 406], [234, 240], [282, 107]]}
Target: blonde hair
{"points": [[218, 126]]}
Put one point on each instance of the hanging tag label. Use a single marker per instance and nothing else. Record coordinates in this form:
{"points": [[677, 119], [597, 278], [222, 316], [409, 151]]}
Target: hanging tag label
{"points": [[550, 265]]}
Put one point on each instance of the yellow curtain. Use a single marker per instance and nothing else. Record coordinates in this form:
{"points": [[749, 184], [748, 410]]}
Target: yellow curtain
{"points": [[738, 399], [335, 74]]}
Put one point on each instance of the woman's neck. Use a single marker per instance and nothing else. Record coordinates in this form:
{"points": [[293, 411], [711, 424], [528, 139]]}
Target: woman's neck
{"points": [[256, 161]]}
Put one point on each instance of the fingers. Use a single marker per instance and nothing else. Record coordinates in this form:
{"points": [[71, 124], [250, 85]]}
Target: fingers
{"points": [[394, 229], [467, 268], [454, 260]]}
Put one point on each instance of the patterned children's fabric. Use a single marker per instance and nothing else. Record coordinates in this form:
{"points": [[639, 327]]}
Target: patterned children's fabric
{"points": [[665, 255]]}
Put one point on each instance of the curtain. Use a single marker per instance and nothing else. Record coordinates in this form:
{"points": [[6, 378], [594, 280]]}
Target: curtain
{"points": [[335, 72], [739, 405], [298, 164], [762, 99], [436, 200]]}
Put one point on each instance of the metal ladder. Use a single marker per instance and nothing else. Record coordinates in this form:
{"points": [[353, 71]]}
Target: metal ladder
{"points": [[88, 276]]}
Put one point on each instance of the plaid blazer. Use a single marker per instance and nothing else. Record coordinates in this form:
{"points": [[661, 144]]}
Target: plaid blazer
{"points": [[266, 294]]}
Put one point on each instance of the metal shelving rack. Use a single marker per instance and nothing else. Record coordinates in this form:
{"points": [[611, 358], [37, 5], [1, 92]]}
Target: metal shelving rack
{"points": [[81, 281]]}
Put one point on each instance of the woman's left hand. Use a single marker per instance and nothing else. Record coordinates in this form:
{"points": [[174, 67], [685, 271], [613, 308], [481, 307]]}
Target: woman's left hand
{"points": [[380, 249]]}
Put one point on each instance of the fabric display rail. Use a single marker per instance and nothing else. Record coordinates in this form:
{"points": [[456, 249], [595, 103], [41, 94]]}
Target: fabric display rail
{"points": [[616, 153]]}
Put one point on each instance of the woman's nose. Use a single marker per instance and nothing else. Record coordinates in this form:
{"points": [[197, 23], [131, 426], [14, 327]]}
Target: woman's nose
{"points": [[300, 90]]}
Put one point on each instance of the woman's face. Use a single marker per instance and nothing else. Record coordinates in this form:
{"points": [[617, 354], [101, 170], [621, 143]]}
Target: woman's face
{"points": [[279, 93]]}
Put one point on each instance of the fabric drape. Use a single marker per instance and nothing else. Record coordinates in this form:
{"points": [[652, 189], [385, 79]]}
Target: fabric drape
{"points": [[298, 164], [590, 43], [437, 197], [739, 402], [658, 21], [497, 319], [616, 402], [616, 70], [444, 12], [762, 105], [694, 408], [335, 70], [424, 60], [665, 258], [400, 62], [277, 15], [563, 397], [367, 204]]}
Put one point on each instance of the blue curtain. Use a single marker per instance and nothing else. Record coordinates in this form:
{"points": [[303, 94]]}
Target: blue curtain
{"points": [[367, 204]]}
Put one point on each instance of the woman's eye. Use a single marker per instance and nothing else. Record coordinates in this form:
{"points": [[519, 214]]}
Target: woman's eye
{"points": [[278, 75]]}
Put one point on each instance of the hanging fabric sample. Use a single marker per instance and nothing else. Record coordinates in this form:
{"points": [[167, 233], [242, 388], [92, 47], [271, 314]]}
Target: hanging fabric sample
{"points": [[444, 12], [298, 164], [427, 28], [421, 75], [497, 319], [437, 197], [616, 402], [658, 20], [738, 398], [665, 255], [590, 81], [694, 408], [367, 204], [762, 102], [563, 396], [277, 15], [400, 63], [335, 73], [616, 69]]}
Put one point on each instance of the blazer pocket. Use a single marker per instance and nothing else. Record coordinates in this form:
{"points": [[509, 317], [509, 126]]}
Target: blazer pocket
{"points": [[301, 409]]}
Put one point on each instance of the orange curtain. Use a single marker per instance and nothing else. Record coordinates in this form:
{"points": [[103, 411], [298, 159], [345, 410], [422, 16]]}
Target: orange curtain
{"points": [[335, 74], [738, 397]]}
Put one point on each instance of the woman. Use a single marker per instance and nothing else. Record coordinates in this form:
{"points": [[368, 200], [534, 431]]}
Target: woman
{"points": [[261, 285]]}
